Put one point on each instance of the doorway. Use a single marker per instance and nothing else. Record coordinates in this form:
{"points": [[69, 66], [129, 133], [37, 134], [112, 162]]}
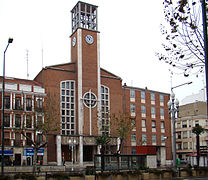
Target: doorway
{"points": [[88, 153]]}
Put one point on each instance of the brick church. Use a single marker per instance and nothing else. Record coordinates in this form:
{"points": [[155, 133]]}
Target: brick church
{"points": [[85, 92]]}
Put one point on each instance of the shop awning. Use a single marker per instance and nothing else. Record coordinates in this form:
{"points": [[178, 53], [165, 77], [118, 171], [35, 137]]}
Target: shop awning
{"points": [[7, 152]]}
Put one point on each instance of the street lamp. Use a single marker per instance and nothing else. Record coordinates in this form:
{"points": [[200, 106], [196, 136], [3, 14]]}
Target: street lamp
{"points": [[72, 144], [173, 106], [2, 123]]}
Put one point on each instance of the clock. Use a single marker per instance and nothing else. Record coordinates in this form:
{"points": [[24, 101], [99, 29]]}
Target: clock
{"points": [[74, 41], [89, 39]]}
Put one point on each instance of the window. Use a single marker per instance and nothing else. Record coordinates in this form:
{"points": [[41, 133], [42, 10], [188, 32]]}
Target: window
{"points": [[18, 105], [28, 121], [153, 126], [185, 134], [28, 104], [6, 120], [184, 124], [190, 123], [144, 139], [178, 135], [185, 145], [17, 141], [133, 138], [133, 150], [161, 100], [162, 139], [39, 122], [142, 97], [162, 126], [190, 134], [133, 124], [179, 146], [132, 95], [143, 111], [7, 102], [161, 113], [67, 110], [132, 109], [154, 139], [17, 121], [178, 125], [190, 145], [105, 108], [28, 139], [153, 112], [152, 98], [7, 138], [39, 103], [144, 125], [39, 138]]}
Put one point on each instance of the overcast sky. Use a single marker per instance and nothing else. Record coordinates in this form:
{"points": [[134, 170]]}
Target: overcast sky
{"points": [[130, 36]]}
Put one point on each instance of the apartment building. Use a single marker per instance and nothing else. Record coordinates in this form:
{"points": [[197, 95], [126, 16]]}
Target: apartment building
{"points": [[190, 115], [152, 125], [23, 102]]}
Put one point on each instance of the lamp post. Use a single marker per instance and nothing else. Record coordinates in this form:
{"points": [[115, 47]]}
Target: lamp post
{"points": [[72, 144], [2, 123], [173, 106]]}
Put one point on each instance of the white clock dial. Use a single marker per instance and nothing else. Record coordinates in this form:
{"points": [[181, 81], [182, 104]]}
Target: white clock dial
{"points": [[74, 41], [89, 39]]}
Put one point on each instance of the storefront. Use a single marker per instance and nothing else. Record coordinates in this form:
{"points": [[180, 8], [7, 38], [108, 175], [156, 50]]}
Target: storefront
{"points": [[29, 156], [8, 157]]}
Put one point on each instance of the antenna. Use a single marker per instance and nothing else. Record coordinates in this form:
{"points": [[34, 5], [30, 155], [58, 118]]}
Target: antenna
{"points": [[42, 56], [27, 52]]}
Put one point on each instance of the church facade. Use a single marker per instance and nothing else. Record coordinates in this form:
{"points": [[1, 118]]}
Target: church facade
{"points": [[88, 95]]}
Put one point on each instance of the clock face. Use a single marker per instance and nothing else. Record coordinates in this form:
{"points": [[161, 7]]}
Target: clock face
{"points": [[74, 41], [89, 39]]}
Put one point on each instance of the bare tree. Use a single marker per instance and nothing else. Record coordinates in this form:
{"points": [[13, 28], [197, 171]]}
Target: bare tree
{"points": [[42, 126], [184, 46], [124, 123]]}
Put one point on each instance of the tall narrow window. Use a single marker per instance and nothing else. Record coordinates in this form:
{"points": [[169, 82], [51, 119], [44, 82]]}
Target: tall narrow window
{"points": [[162, 139], [143, 111], [133, 139], [153, 126], [153, 113], [7, 102], [162, 126], [17, 121], [105, 108], [144, 139], [28, 104], [132, 95], [152, 98], [161, 100], [154, 139], [28, 121], [18, 105], [29, 139], [67, 91], [144, 125], [162, 113], [132, 109], [6, 120], [142, 96]]}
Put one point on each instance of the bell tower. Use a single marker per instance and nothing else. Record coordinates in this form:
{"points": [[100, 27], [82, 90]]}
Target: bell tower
{"points": [[85, 52]]}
